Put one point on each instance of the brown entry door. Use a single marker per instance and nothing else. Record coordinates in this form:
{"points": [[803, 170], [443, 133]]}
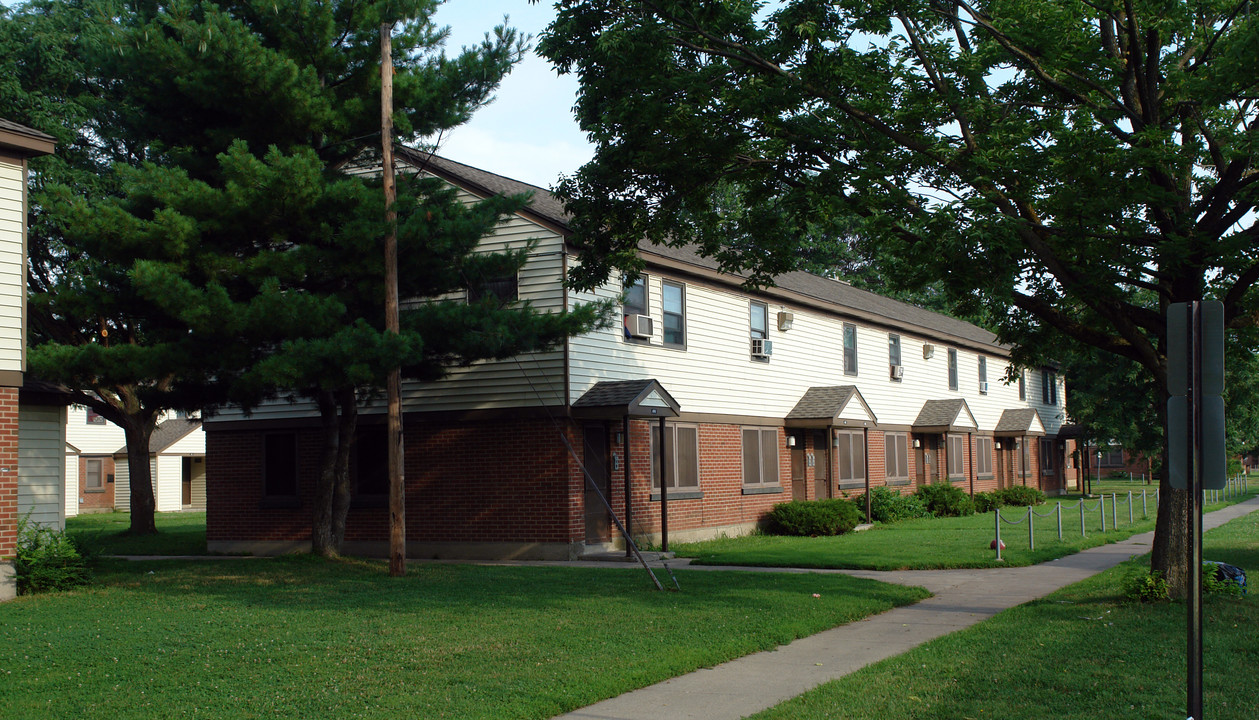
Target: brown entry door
{"points": [[187, 481], [821, 465], [798, 462], [928, 459], [595, 462]]}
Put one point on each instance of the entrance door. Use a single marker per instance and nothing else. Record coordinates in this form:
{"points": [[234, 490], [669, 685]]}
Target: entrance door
{"points": [[821, 465], [186, 498], [798, 463], [928, 459], [1003, 464], [595, 462]]}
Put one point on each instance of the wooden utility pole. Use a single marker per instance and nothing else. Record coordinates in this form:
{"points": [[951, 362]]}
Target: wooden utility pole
{"points": [[397, 490]]}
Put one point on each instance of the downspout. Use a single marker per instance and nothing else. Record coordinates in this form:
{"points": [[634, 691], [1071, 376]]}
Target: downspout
{"points": [[629, 510], [865, 438], [970, 448], [568, 407], [664, 495]]}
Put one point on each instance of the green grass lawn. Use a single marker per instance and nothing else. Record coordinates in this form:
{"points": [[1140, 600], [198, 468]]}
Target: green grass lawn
{"points": [[299, 637], [1082, 653], [178, 533], [936, 542]]}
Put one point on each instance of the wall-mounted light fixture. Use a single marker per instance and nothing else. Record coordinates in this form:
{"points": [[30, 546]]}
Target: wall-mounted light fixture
{"points": [[791, 441], [620, 438], [785, 319], [998, 444], [917, 443], [927, 351]]}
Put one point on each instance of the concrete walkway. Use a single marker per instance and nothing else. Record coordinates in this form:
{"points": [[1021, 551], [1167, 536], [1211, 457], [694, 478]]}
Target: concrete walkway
{"points": [[961, 598]]}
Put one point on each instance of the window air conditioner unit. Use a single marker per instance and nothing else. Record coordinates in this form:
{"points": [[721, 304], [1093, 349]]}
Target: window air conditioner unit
{"points": [[762, 348], [983, 388], [898, 372], [638, 326]]}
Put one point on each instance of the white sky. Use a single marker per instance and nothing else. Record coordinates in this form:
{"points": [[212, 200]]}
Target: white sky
{"points": [[528, 133]]}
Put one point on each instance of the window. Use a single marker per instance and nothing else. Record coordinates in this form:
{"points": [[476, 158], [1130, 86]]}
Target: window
{"points": [[896, 450], [952, 369], [1113, 456], [371, 461], [983, 375], [94, 475], [758, 325], [503, 290], [1047, 456], [983, 456], [279, 471], [850, 349], [957, 457], [95, 418], [1049, 387], [674, 306], [894, 352], [681, 453], [1022, 385], [760, 457], [850, 451], [635, 303]]}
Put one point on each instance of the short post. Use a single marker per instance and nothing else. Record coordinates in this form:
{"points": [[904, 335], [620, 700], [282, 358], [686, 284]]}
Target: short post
{"points": [[1101, 505], [997, 515], [1144, 510], [1114, 511], [1031, 529], [1082, 533], [1059, 522], [1130, 507]]}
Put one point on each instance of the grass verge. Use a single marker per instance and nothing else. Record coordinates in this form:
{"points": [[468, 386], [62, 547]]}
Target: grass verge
{"points": [[299, 637], [178, 533], [938, 543], [1082, 653]]}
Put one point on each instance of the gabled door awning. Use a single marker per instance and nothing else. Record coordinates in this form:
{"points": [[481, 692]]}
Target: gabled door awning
{"points": [[835, 406], [626, 398], [1024, 421], [943, 416]]}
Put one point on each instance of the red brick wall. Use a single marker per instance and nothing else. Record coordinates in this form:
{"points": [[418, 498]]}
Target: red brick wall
{"points": [[96, 500], [8, 471], [488, 482]]}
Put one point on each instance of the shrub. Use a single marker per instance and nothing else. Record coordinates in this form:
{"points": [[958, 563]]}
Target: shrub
{"points": [[946, 500], [813, 517], [47, 559], [1020, 495], [1221, 579], [889, 506], [987, 502], [1145, 587]]}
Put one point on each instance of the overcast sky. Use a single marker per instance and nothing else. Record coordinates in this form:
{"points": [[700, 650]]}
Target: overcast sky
{"points": [[528, 132]]}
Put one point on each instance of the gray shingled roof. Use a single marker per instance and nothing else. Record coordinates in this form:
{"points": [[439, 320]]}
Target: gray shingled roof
{"points": [[621, 397], [822, 402], [13, 127], [548, 206], [167, 433], [1016, 421], [936, 413]]}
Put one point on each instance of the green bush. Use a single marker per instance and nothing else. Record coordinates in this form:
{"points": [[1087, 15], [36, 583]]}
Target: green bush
{"points": [[1145, 587], [47, 560], [987, 502], [889, 506], [813, 517], [1215, 582], [1020, 496], [946, 500]]}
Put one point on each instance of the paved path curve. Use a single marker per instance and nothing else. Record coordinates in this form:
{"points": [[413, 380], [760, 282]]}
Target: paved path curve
{"points": [[961, 598]]}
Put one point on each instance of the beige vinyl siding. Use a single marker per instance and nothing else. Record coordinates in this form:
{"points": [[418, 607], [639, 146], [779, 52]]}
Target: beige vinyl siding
{"points": [[715, 373], [122, 481], [91, 439], [12, 269], [41, 464], [72, 483], [168, 482]]}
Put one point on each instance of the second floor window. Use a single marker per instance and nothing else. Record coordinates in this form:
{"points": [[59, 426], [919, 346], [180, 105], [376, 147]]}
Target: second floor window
{"points": [[850, 349], [674, 306], [983, 374], [952, 369], [894, 350], [1022, 385], [759, 321], [635, 302], [1049, 387]]}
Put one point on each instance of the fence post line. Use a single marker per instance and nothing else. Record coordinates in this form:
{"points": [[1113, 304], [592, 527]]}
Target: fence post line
{"points": [[1031, 529], [1114, 511], [1130, 507], [1082, 533], [1059, 522], [997, 515], [1145, 513], [1101, 506]]}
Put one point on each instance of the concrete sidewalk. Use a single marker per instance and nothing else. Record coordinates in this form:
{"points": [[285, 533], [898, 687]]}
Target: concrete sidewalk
{"points": [[961, 598]]}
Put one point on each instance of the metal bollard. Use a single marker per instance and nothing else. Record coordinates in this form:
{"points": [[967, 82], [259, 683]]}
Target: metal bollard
{"points": [[1130, 507], [1114, 511], [1145, 513], [1059, 522], [1031, 529], [997, 514], [1082, 533], [1101, 505]]}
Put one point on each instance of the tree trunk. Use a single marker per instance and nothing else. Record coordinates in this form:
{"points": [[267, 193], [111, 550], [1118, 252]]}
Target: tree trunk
{"points": [[1169, 553], [138, 430], [347, 401], [322, 540]]}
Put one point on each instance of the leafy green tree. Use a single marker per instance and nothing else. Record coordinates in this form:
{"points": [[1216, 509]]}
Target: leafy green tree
{"points": [[229, 255], [1045, 163]]}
